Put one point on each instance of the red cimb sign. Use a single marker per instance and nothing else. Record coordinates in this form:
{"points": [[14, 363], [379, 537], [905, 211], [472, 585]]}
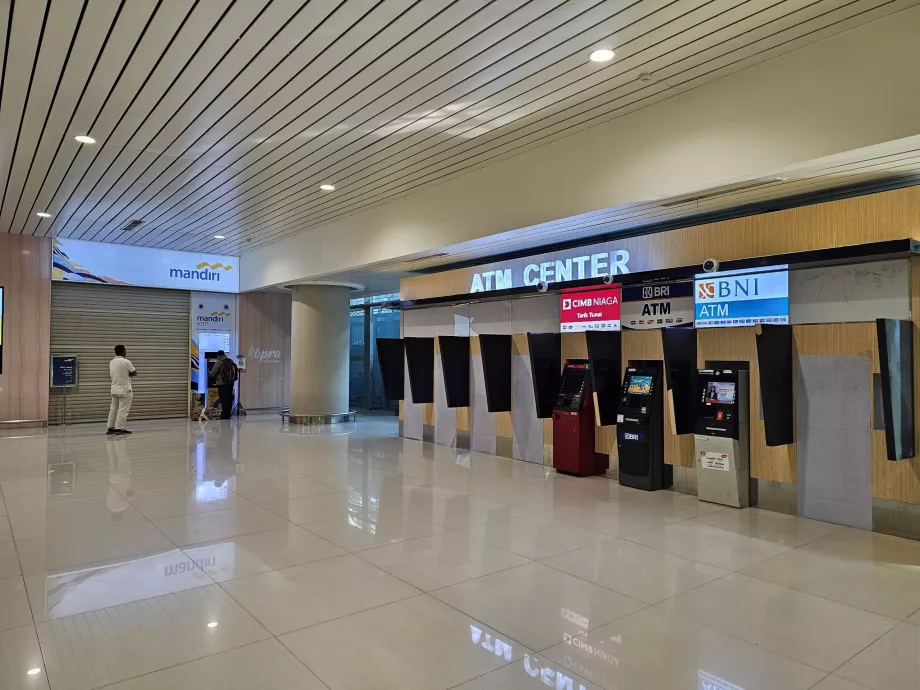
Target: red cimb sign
{"points": [[590, 310]]}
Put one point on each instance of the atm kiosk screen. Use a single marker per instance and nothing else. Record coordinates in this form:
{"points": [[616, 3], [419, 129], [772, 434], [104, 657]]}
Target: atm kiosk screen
{"points": [[638, 392], [720, 392], [639, 385], [718, 400]]}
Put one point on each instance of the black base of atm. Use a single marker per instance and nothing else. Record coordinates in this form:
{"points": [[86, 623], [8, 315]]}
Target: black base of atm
{"points": [[640, 429]]}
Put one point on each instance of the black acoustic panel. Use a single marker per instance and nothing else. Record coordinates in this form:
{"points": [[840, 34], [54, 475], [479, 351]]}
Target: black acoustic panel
{"points": [[390, 352], [680, 366], [546, 370], [420, 358], [455, 363], [605, 357], [496, 369], [895, 349], [774, 361]]}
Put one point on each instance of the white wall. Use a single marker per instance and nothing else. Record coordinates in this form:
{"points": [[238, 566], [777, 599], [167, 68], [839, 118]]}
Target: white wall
{"points": [[847, 294], [854, 90]]}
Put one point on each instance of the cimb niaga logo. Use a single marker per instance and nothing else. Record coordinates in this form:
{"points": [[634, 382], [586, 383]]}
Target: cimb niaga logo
{"points": [[582, 302], [266, 356]]}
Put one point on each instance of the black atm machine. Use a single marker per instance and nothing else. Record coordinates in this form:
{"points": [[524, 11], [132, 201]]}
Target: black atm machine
{"points": [[640, 429]]}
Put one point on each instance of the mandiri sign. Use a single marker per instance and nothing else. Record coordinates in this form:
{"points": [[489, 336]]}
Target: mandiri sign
{"points": [[122, 264]]}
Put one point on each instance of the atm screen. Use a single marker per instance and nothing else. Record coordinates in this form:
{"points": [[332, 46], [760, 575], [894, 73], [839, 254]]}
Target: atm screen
{"points": [[572, 384], [721, 392], [639, 385]]}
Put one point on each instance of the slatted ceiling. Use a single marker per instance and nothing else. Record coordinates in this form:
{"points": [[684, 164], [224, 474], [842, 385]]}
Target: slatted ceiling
{"points": [[308, 124], [492, 152], [224, 116], [199, 46], [531, 65], [89, 320], [119, 56]]}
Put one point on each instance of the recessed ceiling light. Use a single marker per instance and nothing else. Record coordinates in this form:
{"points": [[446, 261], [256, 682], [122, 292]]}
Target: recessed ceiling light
{"points": [[34, 671], [602, 55], [220, 237], [83, 139], [327, 187], [212, 624], [43, 215]]}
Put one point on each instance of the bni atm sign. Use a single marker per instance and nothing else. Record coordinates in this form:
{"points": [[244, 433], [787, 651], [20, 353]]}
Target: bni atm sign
{"points": [[742, 298]]}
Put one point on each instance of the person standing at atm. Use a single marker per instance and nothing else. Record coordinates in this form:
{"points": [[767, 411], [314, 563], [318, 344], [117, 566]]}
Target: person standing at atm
{"points": [[121, 372], [224, 373]]}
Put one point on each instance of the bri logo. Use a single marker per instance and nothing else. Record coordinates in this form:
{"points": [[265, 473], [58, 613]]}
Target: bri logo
{"points": [[201, 272], [627, 436]]}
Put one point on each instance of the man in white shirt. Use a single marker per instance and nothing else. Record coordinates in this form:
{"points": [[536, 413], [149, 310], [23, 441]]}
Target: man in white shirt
{"points": [[122, 371]]}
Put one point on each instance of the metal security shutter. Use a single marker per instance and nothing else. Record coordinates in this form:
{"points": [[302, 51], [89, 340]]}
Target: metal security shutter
{"points": [[90, 320]]}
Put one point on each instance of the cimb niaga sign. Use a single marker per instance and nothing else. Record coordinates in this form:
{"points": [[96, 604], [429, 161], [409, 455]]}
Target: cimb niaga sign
{"points": [[576, 267], [590, 310]]}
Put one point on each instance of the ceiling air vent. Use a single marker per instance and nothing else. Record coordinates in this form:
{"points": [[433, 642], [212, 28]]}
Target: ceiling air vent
{"points": [[721, 191], [132, 225]]}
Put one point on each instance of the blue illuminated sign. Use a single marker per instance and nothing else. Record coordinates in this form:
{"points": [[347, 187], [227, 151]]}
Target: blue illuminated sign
{"points": [[741, 298]]}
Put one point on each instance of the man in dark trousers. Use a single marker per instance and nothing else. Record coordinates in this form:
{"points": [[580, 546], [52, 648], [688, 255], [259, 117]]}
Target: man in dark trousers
{"points": [[224, 373]]}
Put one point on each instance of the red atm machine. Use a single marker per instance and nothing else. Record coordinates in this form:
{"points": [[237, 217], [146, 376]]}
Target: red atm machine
{"points": [[573, 423]]}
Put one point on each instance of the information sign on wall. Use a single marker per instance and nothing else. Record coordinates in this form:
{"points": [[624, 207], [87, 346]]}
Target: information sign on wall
{"points": [[122, 264], [742, 298], [63, 371], [590, 310], [657, 306]]}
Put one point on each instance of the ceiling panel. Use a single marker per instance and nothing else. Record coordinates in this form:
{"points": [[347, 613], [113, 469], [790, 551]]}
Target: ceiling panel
{"points": [[223, 117]]}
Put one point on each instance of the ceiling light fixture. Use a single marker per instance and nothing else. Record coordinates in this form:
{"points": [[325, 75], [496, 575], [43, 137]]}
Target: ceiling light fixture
{"points": [[212, 624], [43, 215], [83, 139], [327, 187], [220, 237], [34, 671], [602, 55]]}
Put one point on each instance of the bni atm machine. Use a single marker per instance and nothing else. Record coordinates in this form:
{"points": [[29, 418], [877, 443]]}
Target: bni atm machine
{"points": [[721, 438], [640, 429]]}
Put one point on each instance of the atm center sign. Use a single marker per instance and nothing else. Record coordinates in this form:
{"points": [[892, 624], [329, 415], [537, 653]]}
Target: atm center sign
{"points": [[742, 298]]}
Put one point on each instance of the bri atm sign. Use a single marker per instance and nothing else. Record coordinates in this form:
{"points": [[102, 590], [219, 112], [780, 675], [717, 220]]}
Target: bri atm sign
{"points": [[742, 298]]}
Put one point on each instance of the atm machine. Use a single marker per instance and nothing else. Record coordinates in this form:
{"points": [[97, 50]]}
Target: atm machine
{"points": [[573, 423], [640, 429], [721, 439]]}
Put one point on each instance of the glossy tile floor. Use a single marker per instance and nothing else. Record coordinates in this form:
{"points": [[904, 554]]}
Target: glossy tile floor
{"points": [[237, 556]]}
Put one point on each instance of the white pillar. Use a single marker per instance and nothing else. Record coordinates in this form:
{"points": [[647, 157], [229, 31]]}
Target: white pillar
{"points": [[319, 350]]}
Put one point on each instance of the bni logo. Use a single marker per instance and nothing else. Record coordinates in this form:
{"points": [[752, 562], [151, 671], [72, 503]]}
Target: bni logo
{"points": [[706, 290]]}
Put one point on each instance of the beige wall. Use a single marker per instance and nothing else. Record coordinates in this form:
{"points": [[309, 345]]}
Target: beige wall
{"points": [[265, 324], [25, 274], [855, 90]]}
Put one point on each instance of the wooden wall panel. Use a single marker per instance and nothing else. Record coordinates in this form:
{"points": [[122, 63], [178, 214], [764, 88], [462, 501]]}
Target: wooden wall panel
{"points": [[25, 275], [889, 215], [775, 463], [900, 481], [265, 324]]}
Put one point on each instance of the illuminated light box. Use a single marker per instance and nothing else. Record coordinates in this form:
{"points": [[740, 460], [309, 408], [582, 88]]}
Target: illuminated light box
{"points": [[742, 298], [590, 310]]}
